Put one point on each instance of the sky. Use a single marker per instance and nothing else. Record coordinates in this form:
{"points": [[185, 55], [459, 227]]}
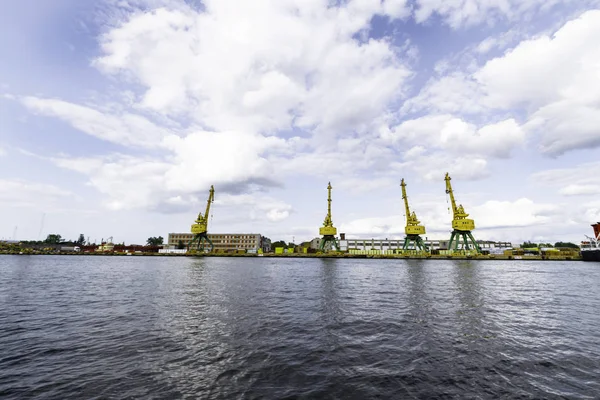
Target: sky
{"points": [[116, 116]]}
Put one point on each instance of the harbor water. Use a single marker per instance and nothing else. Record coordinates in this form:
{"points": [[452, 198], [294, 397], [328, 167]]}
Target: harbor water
{"points": [[77, 327]]}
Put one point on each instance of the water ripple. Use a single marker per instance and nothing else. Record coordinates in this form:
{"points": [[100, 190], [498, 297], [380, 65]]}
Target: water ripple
{"points": [[219, 328]]}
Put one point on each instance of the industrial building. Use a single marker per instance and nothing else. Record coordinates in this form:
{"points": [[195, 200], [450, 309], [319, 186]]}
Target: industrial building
{"points": [[225, 241], [384, 245]]}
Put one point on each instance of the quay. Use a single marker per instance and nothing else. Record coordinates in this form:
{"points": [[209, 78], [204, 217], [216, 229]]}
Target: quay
{"points": [[426, 256]]}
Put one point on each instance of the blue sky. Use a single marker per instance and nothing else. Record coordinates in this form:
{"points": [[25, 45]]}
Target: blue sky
{"points": [[116, 116]]}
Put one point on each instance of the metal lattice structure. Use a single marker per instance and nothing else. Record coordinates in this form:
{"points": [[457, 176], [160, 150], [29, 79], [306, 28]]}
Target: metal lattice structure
{"points": [[461, 225], [328, 231], [413, 229], [200, 227]]}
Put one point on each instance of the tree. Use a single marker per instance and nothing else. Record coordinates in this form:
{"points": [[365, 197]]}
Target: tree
{"points": [[528, 245], [53, 238], [81, 240], [566, 244], [180, 245], [154, 241], [279, 243]]}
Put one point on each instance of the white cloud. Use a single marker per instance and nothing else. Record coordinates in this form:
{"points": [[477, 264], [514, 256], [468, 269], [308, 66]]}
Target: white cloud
{"points": [[126, 129], [552, 78], [567, 59], [434, 166], [576, 189], [357, 184], [256, 206], [452, 93], [575, 181], [459, 137], [518, 213], [180, 183], [396, 8], [224, 157], [303, 66], [243, 72], [461, 13], [452, 145], [20, 193], [589, 213], [376, 227]]}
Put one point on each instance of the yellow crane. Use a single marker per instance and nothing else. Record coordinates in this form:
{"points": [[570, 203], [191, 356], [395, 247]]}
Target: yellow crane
{"points": [[413, 228], [328, 230], [461, 225], [200, 227]]}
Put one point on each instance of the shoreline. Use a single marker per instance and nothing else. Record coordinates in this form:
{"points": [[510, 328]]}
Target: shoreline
{"points": [[313, 255]]}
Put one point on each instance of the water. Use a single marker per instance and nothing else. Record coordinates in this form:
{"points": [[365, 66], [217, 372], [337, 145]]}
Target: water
{"points": [[261, 328]]}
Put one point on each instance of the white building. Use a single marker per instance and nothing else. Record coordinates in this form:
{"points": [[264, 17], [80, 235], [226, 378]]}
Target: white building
{"points": [[385, 245]]}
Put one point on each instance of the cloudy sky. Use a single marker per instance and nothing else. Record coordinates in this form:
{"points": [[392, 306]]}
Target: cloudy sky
{"points": [[116, 116]]}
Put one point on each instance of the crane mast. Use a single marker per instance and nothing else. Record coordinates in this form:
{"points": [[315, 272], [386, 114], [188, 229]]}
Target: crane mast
{"points": [[328, 230], [413, 228], [200, 227], [461, 225]]}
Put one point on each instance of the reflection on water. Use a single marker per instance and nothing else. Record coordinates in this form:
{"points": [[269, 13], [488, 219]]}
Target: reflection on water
{"points": [[145, 327], [471, 300]]}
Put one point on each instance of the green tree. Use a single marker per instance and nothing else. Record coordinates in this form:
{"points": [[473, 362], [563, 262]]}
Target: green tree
{"points": [[53, 238], [81, 240], [154, 241], [566, 244], [180, 245], [528, 245], [279, 243]]}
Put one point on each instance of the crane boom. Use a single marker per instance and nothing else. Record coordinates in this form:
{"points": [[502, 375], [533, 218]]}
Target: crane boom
{"points": [[413, 226], [405, 198], [201, 223], [459, 221], [451, 193], [457, 212], [211, 198], [200, 226]]}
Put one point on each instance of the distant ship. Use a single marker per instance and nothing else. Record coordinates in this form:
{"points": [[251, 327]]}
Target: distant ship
{"points": [[590, 249]]}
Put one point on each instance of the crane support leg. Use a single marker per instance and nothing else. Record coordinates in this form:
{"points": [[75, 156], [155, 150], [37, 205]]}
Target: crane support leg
{"points": [[475, 245], [416, 241], [468, 241], [199, 240], [328, 241], [452, 237]]}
